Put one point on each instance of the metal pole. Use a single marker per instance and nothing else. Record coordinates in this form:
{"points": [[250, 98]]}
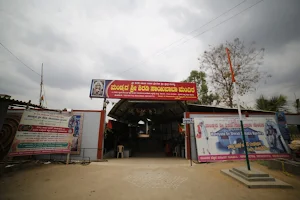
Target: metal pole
{"points": [[189, 138], [239, 110], [41, 87], [194, 134]]}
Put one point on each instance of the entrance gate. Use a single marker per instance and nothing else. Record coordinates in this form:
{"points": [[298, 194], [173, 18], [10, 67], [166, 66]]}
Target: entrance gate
{"points": [[148, 101]]}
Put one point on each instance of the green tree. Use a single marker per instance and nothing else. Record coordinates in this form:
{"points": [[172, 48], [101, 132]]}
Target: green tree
{"points": [[245, 62], [205, 97], [275, 103]]}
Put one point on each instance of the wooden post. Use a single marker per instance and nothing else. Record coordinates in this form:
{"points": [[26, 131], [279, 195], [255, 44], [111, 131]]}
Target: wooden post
{"points": [[68, 158]]}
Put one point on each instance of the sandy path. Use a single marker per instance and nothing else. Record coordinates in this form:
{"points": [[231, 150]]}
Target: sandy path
{"points": [[138, 179]]}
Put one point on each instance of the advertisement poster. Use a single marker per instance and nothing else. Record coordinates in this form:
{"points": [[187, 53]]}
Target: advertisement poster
{"points": [[77, 119], [220, 139], [146, 90], [43, 132], [282, 124]]}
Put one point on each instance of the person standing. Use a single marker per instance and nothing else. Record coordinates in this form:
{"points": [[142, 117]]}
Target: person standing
{"points": [[168, 148]]}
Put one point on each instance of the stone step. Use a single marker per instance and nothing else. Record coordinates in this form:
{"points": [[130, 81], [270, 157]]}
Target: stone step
{"points": [[259, 184], [252, 179], [253, 173]]}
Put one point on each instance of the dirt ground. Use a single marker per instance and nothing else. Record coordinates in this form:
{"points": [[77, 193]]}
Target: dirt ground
{"points": [[138, 179]]}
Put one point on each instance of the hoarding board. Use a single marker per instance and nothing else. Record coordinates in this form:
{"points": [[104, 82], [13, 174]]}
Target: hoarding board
{"points": [[43, 132], [145, 90], [220, 139]]}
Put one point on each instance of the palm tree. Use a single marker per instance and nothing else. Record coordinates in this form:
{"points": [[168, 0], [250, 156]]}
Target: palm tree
{"points": [[275, 103]]}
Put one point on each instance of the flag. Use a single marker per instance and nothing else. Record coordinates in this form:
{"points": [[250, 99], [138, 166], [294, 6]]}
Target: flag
{"points": [[230, 65], [109, 124], [180, 128]]}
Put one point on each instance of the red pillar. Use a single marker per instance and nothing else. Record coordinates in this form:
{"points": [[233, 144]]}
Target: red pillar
{"points": [[101, 135]]}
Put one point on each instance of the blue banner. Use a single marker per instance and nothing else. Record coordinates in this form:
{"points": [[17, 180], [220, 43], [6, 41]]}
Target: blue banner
{"points": [[281, 121]]}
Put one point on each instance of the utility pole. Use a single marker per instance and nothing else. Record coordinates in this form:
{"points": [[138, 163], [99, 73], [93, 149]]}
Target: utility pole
{"points": [[41, 86]]}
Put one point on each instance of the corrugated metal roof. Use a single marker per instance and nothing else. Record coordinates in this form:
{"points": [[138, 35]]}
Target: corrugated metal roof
{"points": [[14, 102], [172, 109], [122, 111]]}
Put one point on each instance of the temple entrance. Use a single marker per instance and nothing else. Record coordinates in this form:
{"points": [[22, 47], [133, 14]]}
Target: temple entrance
{"points": [[146, 129]]}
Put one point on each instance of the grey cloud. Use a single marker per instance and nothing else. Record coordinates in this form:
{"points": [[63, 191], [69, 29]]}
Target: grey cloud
{"points": [[114, 7], [282, 81], [61, 68], [8, 86], [35, 46], [270, 23], [12, 82], [182, 19], [62, 65], [214, 6], [47, 39], [289, 80], [117, 62], [185, 18], [63, 73], [70, 65], [128, 63], [64, 76]]}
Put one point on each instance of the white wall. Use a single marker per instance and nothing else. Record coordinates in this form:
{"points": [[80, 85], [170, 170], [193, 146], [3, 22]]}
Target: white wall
{"points": [[90, 134]]}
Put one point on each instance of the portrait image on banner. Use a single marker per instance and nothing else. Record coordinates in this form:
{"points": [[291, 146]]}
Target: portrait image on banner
{"points": [[143, 90], [77, 123], [97, 88], [221, 139], [282, 124]]}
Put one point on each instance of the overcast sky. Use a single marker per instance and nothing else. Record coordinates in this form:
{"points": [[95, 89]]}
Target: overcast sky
{"points": [[121, 39]]}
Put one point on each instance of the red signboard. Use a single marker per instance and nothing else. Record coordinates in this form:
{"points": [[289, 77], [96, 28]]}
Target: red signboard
{"points": [[146, 90]]}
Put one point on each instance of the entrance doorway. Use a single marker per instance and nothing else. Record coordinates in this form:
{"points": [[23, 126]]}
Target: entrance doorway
{"points": [[146, 129]]}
